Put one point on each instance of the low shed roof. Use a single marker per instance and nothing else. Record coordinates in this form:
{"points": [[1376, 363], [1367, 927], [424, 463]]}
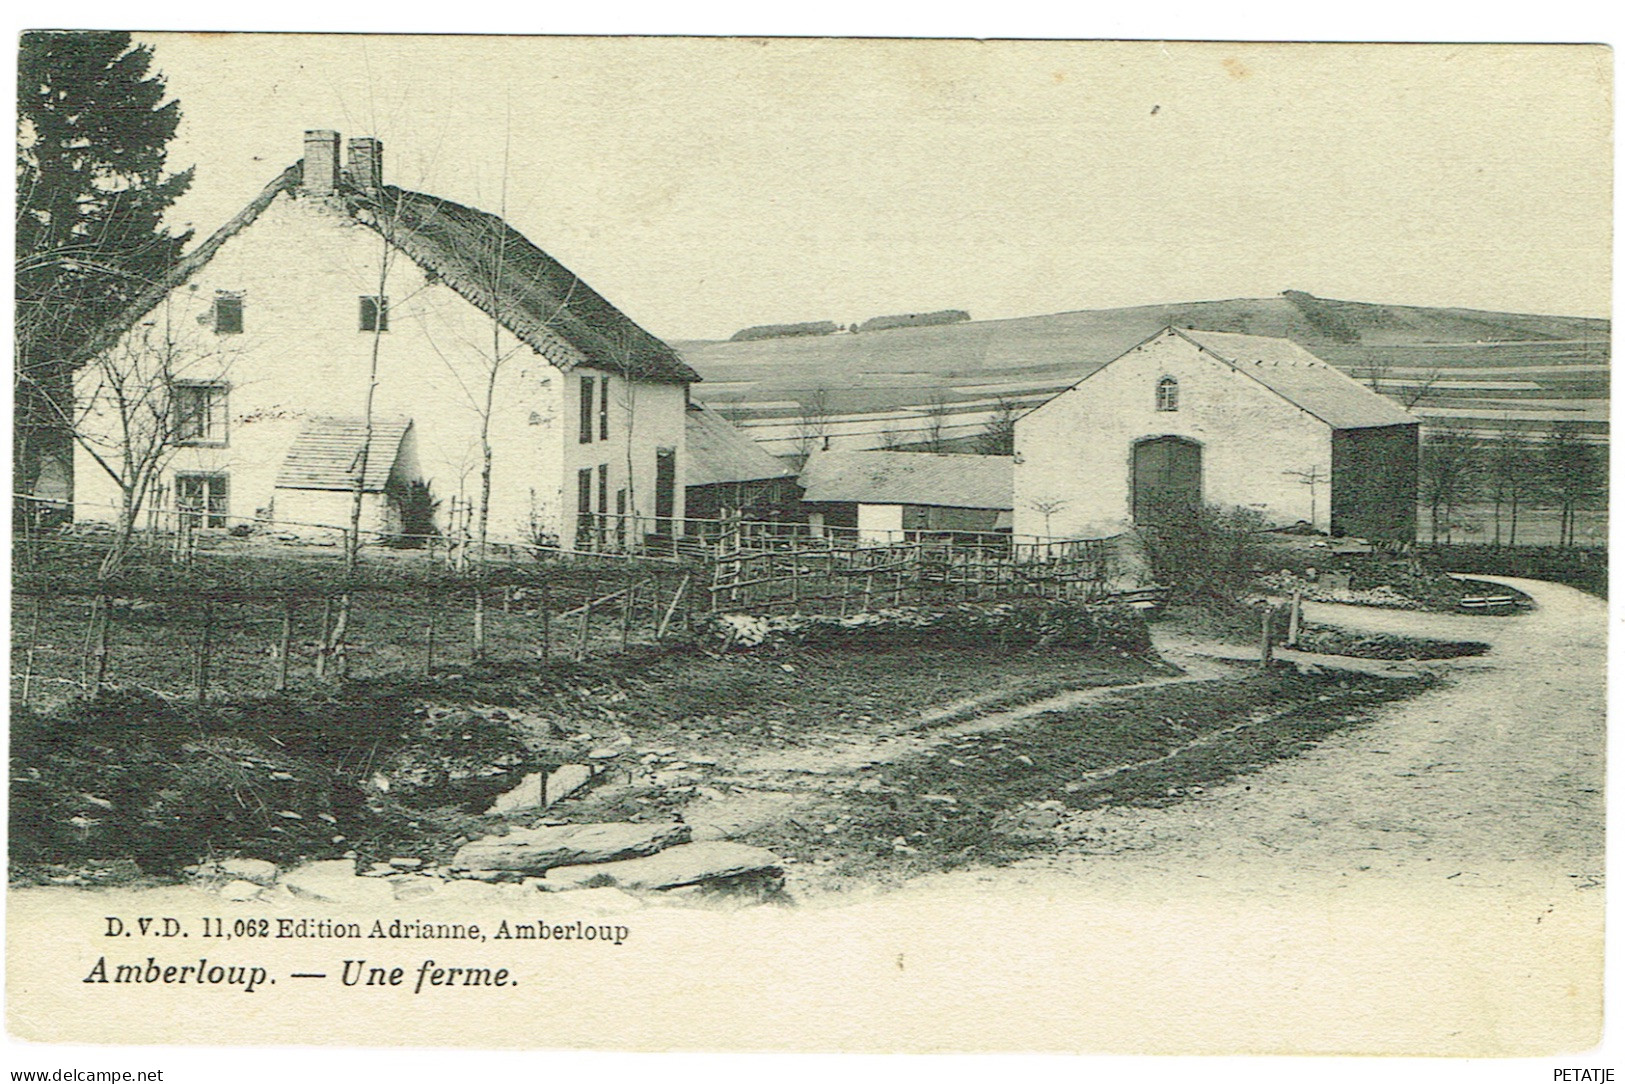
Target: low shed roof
{"points": [[946, 481], [327, 451], [718, 451]]}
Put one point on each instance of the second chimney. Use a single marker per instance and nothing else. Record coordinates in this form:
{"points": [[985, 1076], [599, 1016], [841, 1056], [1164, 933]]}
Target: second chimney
{"points": [[321, 162], [366, 163]]}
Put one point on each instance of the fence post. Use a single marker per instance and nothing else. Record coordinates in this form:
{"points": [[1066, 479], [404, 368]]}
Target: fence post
{"points": [[547, 621], [676, 597], [1265, 649], [203, 651], [478, 650], [28, 659], [103, 648], [1295, 618], [627, 603], [321, 639], [581, 634], [285, 647], [428, 641]]}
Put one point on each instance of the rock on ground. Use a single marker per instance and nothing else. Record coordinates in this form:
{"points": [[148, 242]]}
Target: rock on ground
{"points": [[534, 850], [690, 863], [336, 882]]}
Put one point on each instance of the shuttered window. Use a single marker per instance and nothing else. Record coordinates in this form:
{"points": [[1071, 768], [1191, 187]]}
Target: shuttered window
{"points": [[586, 409]]}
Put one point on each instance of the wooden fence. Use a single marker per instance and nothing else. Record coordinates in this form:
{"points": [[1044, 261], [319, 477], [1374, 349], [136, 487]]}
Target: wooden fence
{"points": [[824, 575]]}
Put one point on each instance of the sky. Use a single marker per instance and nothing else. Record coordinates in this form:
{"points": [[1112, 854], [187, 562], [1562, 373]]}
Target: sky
{"points": [[705, 185]]}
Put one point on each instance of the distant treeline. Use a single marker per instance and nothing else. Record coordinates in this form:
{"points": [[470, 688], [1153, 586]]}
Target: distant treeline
{"points": [[785, 331], [829, 327]]}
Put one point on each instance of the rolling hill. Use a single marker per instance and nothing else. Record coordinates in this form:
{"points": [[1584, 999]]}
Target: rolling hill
{"points": [[1482, 369]]}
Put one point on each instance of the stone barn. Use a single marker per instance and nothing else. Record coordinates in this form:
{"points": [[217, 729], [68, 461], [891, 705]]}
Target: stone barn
{"points": [[1201, 417]]}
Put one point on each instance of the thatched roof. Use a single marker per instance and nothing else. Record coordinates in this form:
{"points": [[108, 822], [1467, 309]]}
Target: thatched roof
{"points": [[488, 262], [496, 267]]}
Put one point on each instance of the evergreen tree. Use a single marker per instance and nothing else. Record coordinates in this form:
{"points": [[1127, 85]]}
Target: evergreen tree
{"points": [[92, 130]]}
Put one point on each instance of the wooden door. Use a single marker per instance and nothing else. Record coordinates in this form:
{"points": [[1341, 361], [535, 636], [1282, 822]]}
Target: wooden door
{"points": [[1167, 477]]}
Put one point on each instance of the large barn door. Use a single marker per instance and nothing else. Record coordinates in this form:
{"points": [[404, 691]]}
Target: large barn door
{"points": [[1167, 477]]}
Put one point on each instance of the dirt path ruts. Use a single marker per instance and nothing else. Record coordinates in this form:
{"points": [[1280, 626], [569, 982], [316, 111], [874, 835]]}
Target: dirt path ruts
{"points": [[1495, 778]]}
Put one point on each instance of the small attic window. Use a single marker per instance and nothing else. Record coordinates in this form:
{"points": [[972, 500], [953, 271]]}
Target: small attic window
{"points": [[1167, 394], [228, 314]]}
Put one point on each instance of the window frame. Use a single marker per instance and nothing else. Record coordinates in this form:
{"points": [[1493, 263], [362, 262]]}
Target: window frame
{"points": [[215, 512], [216, 418], [1167, 395], [603, 408]]}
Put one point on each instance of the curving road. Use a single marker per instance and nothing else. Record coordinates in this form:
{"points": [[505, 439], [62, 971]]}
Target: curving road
{"points": [[1497, 774]]}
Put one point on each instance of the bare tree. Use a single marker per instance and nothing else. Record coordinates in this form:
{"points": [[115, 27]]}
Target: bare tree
{"points": [[1048, 509], [1450, 473], [1511, 477], [812, 426], [936, 423], [1574, 476], [1413, 392], [136, 404], [998, 436]]}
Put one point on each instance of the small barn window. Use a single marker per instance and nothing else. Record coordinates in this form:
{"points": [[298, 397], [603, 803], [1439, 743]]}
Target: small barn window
{"points": [[1167, 394], [375, 314], [228, 314]]}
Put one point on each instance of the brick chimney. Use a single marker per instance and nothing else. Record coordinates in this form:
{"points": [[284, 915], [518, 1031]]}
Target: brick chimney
{"points": [[366, 167], [321, 162]]}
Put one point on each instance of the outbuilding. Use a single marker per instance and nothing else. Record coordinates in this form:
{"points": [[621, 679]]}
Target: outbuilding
{"points": [[884, 496], [1189, 417]]}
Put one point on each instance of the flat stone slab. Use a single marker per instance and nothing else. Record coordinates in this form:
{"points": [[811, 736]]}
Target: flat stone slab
{"points": [[534, 850], [688, 864], [336, 882]]}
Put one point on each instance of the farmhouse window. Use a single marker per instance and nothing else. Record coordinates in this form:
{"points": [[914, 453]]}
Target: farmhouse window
{"points": [[584, 508], [200, 413], [603, 488], [228, 314], [603, 411], [204, 498], [375, 314], [586, 409], [620, 519], [1167, 394]]}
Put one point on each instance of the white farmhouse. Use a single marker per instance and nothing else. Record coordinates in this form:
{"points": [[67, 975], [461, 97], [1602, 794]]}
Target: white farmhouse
{"points": [[1201, 417], [267, 332]]}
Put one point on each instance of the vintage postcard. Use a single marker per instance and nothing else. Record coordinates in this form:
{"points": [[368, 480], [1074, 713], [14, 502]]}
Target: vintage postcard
{"points": [[724, 544]]}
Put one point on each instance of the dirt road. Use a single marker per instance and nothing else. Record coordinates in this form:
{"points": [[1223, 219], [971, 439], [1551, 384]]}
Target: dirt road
{"points": [[1428, 883]]}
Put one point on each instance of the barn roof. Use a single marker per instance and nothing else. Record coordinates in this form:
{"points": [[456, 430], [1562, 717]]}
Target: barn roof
{"points": [[947, 481], [327, 450], [1298, 376], [719, 452], [489, 263]]}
